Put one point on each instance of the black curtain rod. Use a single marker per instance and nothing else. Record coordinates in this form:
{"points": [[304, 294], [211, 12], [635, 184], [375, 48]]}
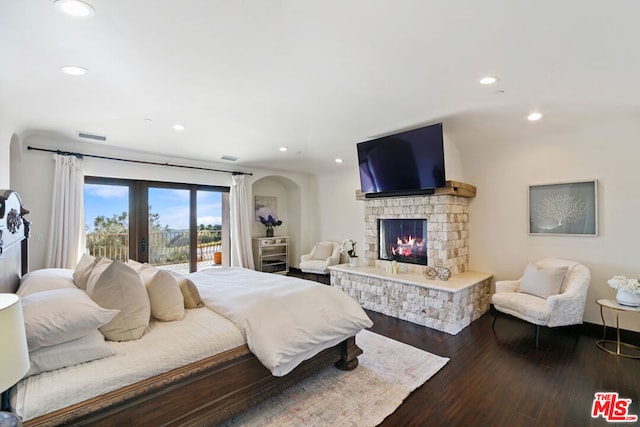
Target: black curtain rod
{"points": [[81, 155]]}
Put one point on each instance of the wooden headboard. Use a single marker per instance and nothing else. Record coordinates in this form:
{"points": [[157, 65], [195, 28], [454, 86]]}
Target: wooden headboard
{"points": [[14, 237]]}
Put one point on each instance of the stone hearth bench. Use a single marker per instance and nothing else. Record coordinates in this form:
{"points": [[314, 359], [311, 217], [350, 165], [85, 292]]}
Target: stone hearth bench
{"points": [[447, 306]]}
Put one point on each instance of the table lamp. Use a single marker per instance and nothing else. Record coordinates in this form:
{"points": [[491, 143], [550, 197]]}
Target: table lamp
{"points": [[14, 354]]}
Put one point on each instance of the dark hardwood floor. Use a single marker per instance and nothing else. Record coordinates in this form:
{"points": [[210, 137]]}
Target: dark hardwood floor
{"points": [[500, 378], [497, 377]]}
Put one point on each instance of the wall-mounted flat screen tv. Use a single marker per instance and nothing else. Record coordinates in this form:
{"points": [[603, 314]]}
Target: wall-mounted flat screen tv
{"points": [[405, 163]]}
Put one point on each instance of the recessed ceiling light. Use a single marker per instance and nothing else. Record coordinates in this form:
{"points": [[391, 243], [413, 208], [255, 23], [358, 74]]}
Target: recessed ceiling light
{"points": [[534, 116], [178, 126], [283, 149], [338, 160], [488, 80], [74, 70], [75, 8], [148, 120]]}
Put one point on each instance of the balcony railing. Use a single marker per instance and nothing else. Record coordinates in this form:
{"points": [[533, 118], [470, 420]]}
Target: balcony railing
{"points": [[165, 247]]}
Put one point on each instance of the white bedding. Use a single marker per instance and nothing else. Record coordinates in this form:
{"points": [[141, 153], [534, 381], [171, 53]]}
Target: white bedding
{"points": [[200, 334], [285, 320]]}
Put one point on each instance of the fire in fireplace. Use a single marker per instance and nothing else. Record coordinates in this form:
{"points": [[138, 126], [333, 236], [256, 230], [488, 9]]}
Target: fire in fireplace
{"points": [[403, 240]]}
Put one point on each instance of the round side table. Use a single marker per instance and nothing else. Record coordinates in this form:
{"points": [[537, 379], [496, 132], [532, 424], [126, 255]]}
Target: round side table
{"points": [[602, 344]]}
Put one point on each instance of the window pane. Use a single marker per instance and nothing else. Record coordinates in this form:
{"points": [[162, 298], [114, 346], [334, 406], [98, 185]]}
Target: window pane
{"points": [[106, 216], [169, 228], [209, 214]]}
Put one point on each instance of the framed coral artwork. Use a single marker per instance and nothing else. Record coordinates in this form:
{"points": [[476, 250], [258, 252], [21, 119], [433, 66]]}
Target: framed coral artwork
{"points": [[569, 209]]}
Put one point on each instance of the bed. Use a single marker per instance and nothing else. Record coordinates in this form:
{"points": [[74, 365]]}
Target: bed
{"points": [[205, 391]]}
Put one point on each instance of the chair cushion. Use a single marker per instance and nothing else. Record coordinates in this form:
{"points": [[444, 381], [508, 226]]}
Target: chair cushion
{"points": [[323, 251], [523, 306], [314, 266], [542, 282]]}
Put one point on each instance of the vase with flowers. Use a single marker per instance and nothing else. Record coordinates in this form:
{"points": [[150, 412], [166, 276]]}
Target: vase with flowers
{"points": [[349, 247], [628, 290], [270, 222]]}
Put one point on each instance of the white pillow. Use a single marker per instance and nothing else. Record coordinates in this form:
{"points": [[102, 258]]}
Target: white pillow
{"points": [[542, 282], [46, 280], [323, 251], [120, 287], [61, 315], [167, 302], [83, 349]]}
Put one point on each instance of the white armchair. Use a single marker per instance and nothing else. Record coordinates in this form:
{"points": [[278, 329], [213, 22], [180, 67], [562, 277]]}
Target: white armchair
{"points": [[552, 292], [323, 255]]}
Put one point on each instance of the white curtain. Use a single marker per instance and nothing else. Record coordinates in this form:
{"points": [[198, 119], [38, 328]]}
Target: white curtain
{"points": [[66, 233], [240, 206]]}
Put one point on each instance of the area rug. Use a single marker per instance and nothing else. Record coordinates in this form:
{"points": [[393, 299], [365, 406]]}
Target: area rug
{"points": [[389, 370]]}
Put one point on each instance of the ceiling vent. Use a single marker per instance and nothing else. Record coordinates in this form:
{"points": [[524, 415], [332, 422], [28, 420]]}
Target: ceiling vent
{"points": [[230, 158], [93, 136]]}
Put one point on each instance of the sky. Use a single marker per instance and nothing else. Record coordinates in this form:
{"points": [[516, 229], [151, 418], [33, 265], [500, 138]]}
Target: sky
{"points": [[171, 204]]}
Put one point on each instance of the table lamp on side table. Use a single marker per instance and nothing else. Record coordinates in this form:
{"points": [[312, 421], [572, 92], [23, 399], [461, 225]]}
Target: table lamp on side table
{"points": [[14, 354]]}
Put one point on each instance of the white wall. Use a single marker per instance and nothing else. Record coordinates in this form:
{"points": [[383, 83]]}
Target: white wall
{"points": [[32, 174], [499, 239], [5, 142]]}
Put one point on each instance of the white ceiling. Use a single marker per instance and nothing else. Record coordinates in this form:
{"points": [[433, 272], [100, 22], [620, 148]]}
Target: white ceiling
{"points": [[246, 77]]}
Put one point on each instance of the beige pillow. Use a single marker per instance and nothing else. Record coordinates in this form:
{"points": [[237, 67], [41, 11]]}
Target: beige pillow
{"points": [[323, 251], [167, 302], [83, 271], [542, 282], [189, 291], [99, 266], [147, 272], [84, 262], [120, 287]]}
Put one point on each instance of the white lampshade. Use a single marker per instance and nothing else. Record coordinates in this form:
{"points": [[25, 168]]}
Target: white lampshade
{"points": [[14, 354]]}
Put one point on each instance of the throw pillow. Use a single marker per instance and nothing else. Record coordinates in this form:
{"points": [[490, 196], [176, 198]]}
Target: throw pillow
{"points": [[61, 315], [46, 280], [323, 251], [167, 302], [100, 265], [189, 291], [84, 349], [146, 271], [542, 282], [85, 261], [120, 287], [83, 271]]}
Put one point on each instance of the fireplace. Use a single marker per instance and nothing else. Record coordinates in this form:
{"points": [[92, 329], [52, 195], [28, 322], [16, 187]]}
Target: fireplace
{"points": [[403, 240]]}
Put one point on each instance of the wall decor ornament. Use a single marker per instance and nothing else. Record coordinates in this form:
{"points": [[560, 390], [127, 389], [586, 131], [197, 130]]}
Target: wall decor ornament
{"points": [[442, 273], [569, 209]]}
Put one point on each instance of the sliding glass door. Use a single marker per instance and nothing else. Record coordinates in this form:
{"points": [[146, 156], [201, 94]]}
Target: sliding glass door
{"points": [[181, 227]]}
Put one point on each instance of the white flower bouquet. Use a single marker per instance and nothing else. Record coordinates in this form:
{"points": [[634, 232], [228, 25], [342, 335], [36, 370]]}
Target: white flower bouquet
{"points": [[622, 282]]}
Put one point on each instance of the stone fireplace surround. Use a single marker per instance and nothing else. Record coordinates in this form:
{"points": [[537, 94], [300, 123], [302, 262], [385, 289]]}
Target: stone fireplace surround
{"points": [[447, 229], [447, 306]]}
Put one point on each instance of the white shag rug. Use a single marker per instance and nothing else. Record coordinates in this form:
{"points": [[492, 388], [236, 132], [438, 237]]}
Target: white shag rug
{"points": [[389, 370]]}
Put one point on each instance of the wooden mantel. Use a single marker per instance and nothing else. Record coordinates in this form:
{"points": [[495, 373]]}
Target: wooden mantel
{"points": [[451, 188]]}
